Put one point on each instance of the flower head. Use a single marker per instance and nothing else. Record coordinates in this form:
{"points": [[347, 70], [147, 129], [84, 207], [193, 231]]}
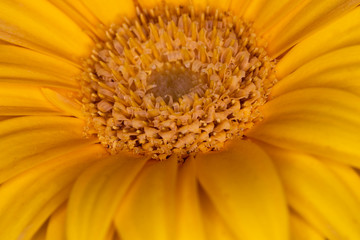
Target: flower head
{"points": [[179, 120]]}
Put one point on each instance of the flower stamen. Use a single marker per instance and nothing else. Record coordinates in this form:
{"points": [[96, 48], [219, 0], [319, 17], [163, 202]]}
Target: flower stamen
{"points": [[176, 81]]}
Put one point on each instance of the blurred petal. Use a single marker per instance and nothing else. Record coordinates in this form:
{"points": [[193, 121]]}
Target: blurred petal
{"points": [[28, 141], [68, 104], [41, 26], [56, 228], [310, 18], [5, 117], [318, 195], [199, 4], [29, 76], [27, 194], [97, 194], [215, 226], [27, 58], [245, 189], [19, 100], [148, 210], [340, 33], [44, 213], [110, 11], [149, 3], [347, 175], [223, 5], [266, 14], [189, 217], [320, 121], [301, 230], [325, 71], [240, 7], [81, 15], [111, 234], [41, 234]]}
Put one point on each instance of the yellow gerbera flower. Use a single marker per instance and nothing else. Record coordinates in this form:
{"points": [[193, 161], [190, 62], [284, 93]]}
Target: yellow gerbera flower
{"points": [[157, 119]]}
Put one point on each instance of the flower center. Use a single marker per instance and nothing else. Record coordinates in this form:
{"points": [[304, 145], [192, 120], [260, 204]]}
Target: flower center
{"points": [[173, 83], [174, 80]]}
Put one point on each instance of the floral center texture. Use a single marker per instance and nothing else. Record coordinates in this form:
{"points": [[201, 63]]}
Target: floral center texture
{"points": [[175, 81]]}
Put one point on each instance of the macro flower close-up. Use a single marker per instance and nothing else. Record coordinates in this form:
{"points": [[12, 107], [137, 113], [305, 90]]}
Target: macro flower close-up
{"points": [[180, 120]]}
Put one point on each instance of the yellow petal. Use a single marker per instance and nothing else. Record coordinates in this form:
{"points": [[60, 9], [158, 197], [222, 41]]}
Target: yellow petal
{"points": [[170, 2], [189, 217], [318, 195], [325, 71], [28, 141], [240, 7], [19, 100], [112, 234], [41, 234], [51, 65], [308, 19], [347, 175], [199, 4], [56, 228], [301, 230], [81, 15], [340, 33], [245, 189], [310, 215], [43, 214], [149, 3], [110, 11], [320, 121], [223, 5], [97, 194], [40, 25], [68, 104], [15, 74], [266, 14], [23, 197], [5, 117], [148, 210], [215, 226], [80, 8]]}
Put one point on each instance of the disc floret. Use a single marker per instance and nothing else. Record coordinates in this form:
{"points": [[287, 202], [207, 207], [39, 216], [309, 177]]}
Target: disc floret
{"points": [[174, 80]]}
